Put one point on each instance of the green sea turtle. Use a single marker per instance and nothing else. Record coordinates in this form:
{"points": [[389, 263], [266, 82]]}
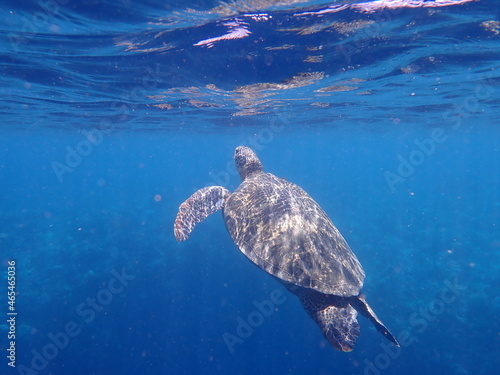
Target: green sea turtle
{"points": [[281, 229]]}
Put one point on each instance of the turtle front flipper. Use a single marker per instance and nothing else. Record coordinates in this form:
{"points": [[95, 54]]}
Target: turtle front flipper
{"points": [[334, 315], [197, 208], [359, 303]]}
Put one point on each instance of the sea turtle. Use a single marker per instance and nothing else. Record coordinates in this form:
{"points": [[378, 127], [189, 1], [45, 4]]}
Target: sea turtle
{"points": [[281, 229]]}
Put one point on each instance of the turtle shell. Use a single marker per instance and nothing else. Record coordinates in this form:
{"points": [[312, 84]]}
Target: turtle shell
{"points": [[281, 229]]}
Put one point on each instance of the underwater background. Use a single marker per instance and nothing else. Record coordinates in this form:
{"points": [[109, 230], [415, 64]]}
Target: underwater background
{"points": [[115, 112]]}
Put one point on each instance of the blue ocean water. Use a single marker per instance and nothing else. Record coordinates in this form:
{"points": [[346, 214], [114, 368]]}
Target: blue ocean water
{"points": [[114, 112]]}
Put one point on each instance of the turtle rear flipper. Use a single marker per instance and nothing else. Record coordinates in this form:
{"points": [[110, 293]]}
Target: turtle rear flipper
{"points": [[359, 303], [334, 315], [197, 208]]}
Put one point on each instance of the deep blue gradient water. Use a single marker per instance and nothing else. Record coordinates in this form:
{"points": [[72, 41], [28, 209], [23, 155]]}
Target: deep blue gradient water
{"points": [[114, 112]]}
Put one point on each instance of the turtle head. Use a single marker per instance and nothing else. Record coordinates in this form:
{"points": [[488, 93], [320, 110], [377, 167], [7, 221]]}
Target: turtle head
{"points": [[246, 161]]}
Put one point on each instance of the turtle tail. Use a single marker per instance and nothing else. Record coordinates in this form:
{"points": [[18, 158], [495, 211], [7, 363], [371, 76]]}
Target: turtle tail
{"points": [[197, 208], [334, 315]]}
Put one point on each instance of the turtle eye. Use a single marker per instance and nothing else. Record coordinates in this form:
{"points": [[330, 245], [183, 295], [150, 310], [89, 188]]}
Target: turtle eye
{"points": [[240, 160]]}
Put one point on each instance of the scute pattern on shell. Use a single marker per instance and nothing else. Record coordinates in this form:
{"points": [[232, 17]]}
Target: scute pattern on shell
{"points": [[280, 228]]}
